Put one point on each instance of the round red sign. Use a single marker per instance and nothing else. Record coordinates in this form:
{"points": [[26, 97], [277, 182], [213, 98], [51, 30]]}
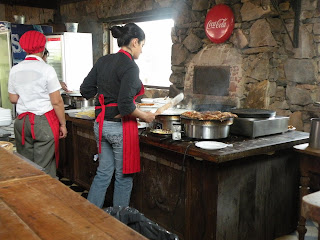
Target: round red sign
{"points": [[219, 23]]}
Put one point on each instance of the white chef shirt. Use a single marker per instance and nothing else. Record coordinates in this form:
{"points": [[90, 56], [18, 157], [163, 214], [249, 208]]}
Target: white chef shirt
{"points": [[33, 81]]}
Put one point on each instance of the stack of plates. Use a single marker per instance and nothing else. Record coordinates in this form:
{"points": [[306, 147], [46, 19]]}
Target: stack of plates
{"points": [[5, 117]]}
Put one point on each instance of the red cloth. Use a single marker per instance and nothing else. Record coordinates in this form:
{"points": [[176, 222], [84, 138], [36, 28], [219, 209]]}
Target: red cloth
{"points": [[55, 127], [131, 147], [31, 119], [32, 42], [31, 58], [100, 117], [54, 124]]}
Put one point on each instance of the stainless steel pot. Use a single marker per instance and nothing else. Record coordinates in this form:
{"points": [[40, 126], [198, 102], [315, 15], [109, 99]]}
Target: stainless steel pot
{"points": [[314, 139], [165, 121], [67, 99], [206, 129], [77, 101], [81, 102], [167, 118]]}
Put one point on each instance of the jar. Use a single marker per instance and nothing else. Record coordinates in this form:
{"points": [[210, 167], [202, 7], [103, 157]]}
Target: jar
{"points": [[176, 131]]}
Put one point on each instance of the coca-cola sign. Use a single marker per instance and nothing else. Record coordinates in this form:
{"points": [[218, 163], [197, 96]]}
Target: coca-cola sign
{"points": [[219, 23]]}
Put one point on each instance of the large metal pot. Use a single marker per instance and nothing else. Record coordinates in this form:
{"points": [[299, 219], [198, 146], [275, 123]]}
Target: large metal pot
{"points": [[167, 118], [206, 129], [165, 121]]}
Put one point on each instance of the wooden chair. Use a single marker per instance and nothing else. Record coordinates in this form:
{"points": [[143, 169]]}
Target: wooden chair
{"points": [[310, 209]]}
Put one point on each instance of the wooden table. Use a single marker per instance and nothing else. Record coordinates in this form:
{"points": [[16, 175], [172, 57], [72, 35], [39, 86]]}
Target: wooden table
{"points": [[309, 165], [35, 206]]}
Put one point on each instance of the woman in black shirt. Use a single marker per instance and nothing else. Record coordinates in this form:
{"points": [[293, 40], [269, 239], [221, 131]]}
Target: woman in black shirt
{"points": [[114, 80]]}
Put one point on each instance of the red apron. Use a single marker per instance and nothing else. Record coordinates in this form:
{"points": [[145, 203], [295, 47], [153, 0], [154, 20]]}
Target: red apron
{"points": [[52, 120], [54, 124], [131, 148]]}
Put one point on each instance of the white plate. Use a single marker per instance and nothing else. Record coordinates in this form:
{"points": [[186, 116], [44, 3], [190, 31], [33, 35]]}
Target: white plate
{"points": [[147, 100], [4, 123], [211, 145], [162, 100]]}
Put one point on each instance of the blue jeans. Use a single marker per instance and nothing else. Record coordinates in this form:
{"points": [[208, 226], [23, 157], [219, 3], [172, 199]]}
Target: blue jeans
{"points": [[110, 161]]}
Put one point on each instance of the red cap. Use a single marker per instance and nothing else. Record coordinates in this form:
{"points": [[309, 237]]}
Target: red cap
{"points": [[33, 42]]}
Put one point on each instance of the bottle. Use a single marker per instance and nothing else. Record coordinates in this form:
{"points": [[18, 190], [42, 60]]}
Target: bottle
{"points": [[176, 131]]}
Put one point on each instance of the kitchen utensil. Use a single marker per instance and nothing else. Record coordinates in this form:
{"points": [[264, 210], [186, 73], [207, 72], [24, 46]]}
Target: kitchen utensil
{"points": [[314, 139], [170, 104], [176, 131], [72, 27]]}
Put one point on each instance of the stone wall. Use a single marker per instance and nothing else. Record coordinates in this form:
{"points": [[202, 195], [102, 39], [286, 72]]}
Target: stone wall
{"points": [[32, 15], [271, 73]]}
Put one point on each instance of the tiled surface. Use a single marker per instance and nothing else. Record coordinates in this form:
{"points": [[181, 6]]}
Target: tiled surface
{"points": [[312, 232], [312, 227], [74, 187]]}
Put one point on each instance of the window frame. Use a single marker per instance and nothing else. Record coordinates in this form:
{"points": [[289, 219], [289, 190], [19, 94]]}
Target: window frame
{"points": [[153, 15]]}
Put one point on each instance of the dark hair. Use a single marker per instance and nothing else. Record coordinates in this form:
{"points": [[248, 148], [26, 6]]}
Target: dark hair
{"points": [[46, 52], [126, 33]]}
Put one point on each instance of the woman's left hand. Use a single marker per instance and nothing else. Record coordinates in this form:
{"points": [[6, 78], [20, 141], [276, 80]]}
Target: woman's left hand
{"points": [[63, 131]]}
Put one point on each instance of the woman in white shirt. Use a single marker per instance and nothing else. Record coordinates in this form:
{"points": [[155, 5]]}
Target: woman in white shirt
{"points": [[34, 88]]}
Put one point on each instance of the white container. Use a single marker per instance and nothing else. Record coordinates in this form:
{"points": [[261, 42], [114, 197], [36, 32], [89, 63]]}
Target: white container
{"points": [[5, 123], [72, 27]]}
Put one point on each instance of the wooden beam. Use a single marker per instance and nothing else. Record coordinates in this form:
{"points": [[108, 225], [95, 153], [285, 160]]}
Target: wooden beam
{"points": [[32, 3], [140, 16]]}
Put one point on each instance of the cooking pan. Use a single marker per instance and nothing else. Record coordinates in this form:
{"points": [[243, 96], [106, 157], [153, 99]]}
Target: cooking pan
{"points": [[253, 113]]}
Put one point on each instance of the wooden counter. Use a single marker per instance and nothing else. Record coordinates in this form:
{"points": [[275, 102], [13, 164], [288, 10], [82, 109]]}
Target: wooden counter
{"points": [[35, 206], [247, 191], [241, 147]]}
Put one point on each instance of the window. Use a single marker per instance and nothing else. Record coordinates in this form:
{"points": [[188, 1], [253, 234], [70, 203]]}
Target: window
{"points": [[155, 61]]}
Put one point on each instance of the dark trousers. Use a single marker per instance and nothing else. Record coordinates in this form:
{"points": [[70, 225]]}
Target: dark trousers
{"points": [[39, 150]]}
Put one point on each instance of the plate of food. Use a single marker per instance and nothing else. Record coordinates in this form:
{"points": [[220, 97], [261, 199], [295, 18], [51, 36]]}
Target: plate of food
{"points": [[211, 145], [142, 105], [291, 128], [161, 131]]}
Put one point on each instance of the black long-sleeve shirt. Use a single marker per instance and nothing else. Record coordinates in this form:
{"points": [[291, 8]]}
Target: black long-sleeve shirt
{"points": [[115, 76]]}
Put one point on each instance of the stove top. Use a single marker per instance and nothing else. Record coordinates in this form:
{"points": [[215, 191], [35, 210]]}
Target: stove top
{"points": [[257, 127]]}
